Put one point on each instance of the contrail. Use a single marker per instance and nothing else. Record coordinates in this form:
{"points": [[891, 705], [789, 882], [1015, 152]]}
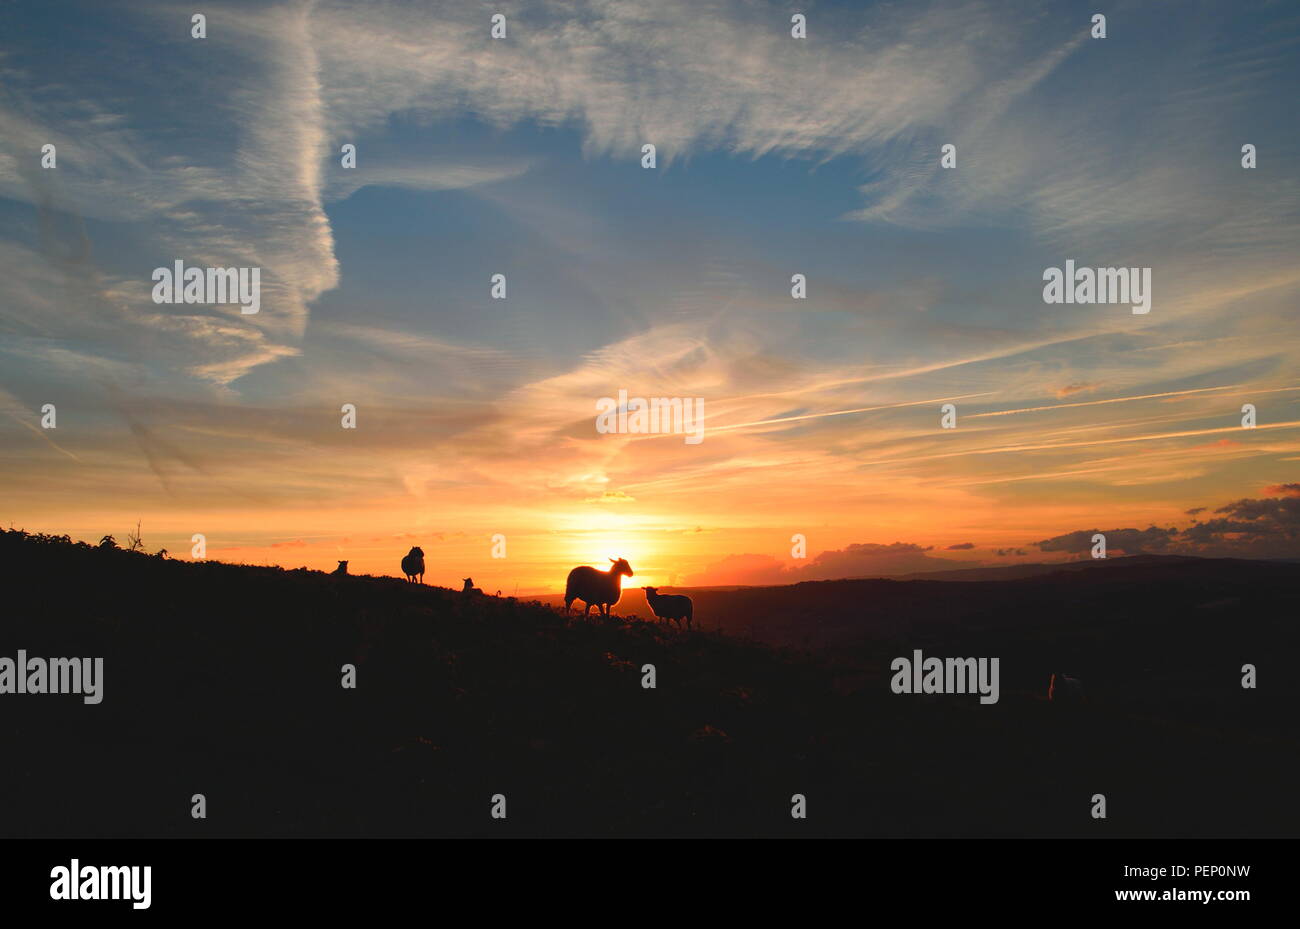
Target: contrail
{"points": [[863, 409], [14, 409], [41, 433], [1171, 393], [1034, 448]]}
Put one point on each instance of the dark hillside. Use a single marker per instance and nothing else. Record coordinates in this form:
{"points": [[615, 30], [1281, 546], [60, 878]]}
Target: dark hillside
{"points": [[225, 680]]}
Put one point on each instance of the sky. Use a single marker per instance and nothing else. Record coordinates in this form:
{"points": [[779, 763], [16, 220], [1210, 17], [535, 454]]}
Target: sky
{"points": [[775, 156]]}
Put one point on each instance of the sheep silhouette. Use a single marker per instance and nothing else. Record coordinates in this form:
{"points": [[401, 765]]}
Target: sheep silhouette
{"points": [[413, 565], [601, 589], [668, 606], [341, 569], [469, 587], [1064, 689]]}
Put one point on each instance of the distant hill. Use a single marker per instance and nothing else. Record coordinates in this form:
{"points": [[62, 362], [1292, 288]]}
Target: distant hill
{"points": [[1011, 572], [981, 573], [225, 680]]}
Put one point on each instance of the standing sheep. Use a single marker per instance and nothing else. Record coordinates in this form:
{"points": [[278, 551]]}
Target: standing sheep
{"points": [[667, 606], [413, 565], [601, 589]]}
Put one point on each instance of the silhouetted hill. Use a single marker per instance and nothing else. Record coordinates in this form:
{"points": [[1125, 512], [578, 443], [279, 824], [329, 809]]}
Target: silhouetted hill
{"points": [[1142, 590], [1015, 571], [225, 680]]}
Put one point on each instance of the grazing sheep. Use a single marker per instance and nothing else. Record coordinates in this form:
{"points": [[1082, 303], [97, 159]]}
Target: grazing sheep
{"points": [[341, 569], [667, 606], [413, 565], [600, 589], [1065, 689], [469, 587]]}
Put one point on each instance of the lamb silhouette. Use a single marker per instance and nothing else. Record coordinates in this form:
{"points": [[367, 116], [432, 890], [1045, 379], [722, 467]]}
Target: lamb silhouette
{"points": [[667, 606], [413, 565], [601, 589], [469, 587], [341, 569]]}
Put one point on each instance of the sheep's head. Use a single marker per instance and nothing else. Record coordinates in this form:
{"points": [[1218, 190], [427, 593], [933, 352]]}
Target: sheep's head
{"points": [[652, 591], [416, 550], [621, 567], [343, 564]]}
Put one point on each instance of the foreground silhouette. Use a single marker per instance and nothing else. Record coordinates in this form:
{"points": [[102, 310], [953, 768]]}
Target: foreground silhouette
{"points": [[226, 680]]}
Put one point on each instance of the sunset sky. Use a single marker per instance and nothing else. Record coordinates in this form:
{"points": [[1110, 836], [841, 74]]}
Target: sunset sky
{"points": [[776, 156]]}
